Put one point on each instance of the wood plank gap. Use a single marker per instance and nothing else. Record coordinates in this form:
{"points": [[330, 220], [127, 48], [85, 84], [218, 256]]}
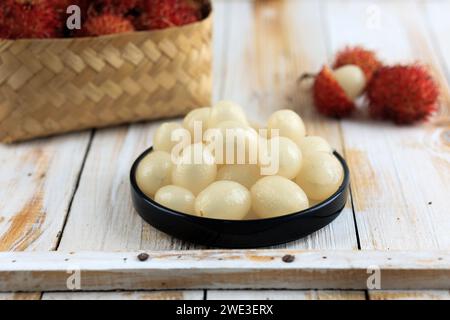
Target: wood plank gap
{"points": [[354, 219], [327, 37], [77, 184]]}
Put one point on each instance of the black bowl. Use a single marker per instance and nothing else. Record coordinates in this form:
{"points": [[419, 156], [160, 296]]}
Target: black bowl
{"points": [[239, 234]]}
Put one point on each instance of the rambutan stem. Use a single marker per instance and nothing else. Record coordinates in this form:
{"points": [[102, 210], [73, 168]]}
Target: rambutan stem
{"points": [[306, 76]]}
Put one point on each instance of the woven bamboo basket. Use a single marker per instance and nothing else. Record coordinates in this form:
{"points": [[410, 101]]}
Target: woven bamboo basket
{"points": [[50, 86]]}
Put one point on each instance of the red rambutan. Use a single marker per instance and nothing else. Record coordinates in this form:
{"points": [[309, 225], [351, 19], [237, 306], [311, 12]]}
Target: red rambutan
{"points": [[29, 19], [5, 29], [62, 5], [329, 97], [106, 24], [160, 14], [363, 58], [403, 93], [118, 7]]}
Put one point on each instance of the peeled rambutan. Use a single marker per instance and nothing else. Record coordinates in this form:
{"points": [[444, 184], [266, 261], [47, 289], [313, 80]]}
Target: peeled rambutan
{"points": [[160, 14], [29, 19], [106, 24], [329, 97], [402, 93], [363, 58]]}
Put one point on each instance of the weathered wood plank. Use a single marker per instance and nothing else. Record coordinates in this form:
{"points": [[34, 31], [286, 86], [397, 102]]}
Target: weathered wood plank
{"points": [[399, 174], [38, 179], [20, 296], [126, 295], [285, 295], [224, 269], [410, 295]]}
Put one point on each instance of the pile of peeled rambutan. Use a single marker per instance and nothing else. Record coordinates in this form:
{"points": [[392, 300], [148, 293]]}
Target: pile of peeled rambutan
{"points": [[403, 93], [21, 19]]}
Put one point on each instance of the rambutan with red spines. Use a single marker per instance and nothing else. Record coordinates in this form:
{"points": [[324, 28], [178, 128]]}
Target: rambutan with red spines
{"points": [[118, 7], [129, 9], [329, 97], [30, 19], [62, 5], [403, 93], [105, 24], [5, 28], [161, 14], [367, 60]]}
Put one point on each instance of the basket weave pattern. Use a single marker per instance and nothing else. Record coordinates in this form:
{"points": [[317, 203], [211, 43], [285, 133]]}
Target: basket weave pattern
{"points": [[55, 86]]}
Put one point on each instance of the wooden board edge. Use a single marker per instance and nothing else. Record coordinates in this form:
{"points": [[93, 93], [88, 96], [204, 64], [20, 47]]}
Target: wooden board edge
{"points": [[225, 269]]}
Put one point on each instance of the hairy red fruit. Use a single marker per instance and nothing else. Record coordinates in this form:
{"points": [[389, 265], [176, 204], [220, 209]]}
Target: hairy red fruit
{"points": [[4, 28], [62, 5], [403, 93], [160, 14], [106, 24], [329, 98], [118, 7], [29, 19], [363, 58]]}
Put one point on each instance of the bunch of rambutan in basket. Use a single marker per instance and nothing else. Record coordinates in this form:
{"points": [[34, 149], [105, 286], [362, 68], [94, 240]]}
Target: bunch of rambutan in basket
{"points": [[25, 19]]}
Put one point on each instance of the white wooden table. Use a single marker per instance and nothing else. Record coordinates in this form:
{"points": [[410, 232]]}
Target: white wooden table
{"points": [[70, 194]]}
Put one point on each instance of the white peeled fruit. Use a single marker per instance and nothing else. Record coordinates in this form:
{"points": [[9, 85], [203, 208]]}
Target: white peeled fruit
{"points": [[200, 115], [195, 169], [237, 141], [274, 196], [320, 176], [288, 155], [223, 200], [226, 111], [162, 140], [153, 172], [289, 124], [314, 144], [351, 79], [245, 174], [176, 198]]}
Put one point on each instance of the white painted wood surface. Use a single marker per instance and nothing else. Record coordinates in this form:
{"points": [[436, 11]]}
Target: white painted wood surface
{"points": [[4, 296], [260, 49], [410, 295], [37, 182], [126, 295], [228, 269], [284, 295]]}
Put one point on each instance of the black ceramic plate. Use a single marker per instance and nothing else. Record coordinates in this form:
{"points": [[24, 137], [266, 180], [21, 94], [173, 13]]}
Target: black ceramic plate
{"points": [[239, 234]]}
